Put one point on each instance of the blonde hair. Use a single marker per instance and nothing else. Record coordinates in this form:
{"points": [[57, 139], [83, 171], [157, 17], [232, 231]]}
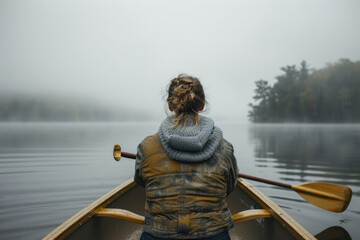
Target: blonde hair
{"points": [[186, 98]]}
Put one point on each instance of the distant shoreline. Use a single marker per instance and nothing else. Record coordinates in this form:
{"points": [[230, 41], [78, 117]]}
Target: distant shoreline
{"points": [[44, 109]]}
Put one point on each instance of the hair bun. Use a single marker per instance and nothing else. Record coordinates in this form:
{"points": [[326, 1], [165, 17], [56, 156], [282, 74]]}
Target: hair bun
{"points": [[185, 97]]}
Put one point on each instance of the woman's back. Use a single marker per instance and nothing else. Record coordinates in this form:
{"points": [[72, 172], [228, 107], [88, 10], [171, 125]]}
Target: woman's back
{"points": [[187, 169]]}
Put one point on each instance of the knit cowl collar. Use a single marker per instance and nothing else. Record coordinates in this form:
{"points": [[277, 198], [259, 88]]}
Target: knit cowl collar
{"points": [[190, 144]]}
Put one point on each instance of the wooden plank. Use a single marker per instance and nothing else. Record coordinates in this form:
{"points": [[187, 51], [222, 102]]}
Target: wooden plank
{"points": [[135, 218], [278, 213], [250, 215], [121, 214]]}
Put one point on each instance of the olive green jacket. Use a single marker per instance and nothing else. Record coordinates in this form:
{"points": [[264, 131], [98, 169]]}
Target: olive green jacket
{"points": [[185, 200]]}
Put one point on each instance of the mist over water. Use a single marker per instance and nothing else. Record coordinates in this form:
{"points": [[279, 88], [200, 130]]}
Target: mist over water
{"points": [[49, 171], [123, 53]]}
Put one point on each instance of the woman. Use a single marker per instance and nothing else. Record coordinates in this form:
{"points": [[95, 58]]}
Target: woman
{"points": [[187, 169]]}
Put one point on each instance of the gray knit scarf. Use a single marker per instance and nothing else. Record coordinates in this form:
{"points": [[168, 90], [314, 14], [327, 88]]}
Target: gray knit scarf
{"points": [[192, 144]]}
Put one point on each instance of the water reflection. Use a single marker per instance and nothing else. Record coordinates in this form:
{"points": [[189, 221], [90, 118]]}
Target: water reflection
{"points": [[333, 233], [295, 154], [304, 152]]}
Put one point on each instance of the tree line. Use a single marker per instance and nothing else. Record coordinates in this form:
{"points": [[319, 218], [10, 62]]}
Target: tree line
{"points": [[329, 94], [61, 109]]}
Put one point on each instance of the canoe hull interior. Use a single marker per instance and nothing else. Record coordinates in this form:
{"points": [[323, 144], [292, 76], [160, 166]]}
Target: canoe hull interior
{"points": [[133, 200]]}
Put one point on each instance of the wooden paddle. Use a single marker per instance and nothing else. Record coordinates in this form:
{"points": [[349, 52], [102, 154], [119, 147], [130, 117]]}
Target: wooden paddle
{"points": [[329, 196]]}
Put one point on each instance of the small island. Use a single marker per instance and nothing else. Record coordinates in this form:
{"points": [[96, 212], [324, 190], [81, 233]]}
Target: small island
{"points": [[327, 95]]}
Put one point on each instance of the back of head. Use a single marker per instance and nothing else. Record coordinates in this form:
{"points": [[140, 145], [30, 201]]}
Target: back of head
{"points": [[185, 98]]}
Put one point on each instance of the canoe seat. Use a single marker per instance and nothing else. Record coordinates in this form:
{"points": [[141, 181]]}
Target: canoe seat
{"points": [[250, 214], [120, 214], [135, 218]]}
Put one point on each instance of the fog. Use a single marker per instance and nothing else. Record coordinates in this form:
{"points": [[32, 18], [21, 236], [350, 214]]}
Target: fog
{"points": [[122, 54]]}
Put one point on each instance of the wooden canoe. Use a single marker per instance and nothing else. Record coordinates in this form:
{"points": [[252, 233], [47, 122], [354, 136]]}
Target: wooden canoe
{"points": [[118, 215]]}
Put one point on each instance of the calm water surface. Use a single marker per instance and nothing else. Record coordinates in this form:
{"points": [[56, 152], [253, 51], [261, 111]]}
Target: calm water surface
{"points": [[49, 171]]}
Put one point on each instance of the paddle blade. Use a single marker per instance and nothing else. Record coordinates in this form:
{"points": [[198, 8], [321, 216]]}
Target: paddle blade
{"points": [[117, 152], [329, 196]]}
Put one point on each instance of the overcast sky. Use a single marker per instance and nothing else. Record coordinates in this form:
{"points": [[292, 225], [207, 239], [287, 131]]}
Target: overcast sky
{"points": [[125, 52]]}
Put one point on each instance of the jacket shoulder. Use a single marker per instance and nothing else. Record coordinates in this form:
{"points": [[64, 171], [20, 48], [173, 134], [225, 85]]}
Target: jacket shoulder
{"points": [[225, 147], [151, 145]]}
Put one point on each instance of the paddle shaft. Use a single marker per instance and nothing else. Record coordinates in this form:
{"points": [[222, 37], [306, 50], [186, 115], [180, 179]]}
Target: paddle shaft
{"points": [[265, 180], [133, 156], [128, 155]]}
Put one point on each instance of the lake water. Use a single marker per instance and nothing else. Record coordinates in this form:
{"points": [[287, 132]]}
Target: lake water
{"points": [[49, 171]]}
